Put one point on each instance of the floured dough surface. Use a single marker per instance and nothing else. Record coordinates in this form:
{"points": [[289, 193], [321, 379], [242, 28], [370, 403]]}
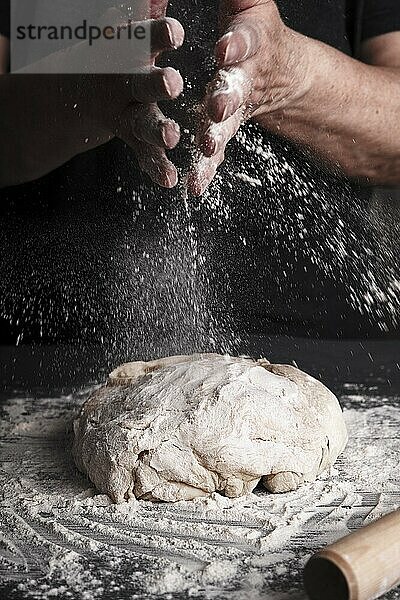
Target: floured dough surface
{"points": [[187, 426]]}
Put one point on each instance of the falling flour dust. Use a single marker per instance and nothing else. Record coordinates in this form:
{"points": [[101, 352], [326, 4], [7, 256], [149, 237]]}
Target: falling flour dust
{"points": [[170, 292]]}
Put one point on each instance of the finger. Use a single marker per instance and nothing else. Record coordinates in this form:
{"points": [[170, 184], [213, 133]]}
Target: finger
{"points": [[166, 34], [215, 137], [151, 126], [153, 161], [239, 43], [151, 158], [203, 173], [227, 93], [163, 34], [156, 84]]}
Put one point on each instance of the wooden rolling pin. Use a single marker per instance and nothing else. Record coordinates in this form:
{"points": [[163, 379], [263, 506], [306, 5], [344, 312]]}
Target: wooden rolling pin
{"points": [[362, 566]]}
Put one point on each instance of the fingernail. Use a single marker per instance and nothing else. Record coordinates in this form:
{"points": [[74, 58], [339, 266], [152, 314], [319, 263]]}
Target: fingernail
{"points": [[221, 48], [230, 55], [173, 82], [171, 36], [223, 108], [218, 107], [196, 189], [170, 135], [209, 146], [226, 112], [175, 37], [168, 181], [171, 180], [193, 184], [167, 85]]}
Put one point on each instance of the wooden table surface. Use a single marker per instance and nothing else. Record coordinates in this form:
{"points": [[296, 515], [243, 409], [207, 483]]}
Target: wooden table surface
{"points": [[44, 385]]}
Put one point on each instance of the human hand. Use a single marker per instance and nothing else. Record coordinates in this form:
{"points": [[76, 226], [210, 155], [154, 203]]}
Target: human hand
{"points": [[78, 107], [125, 106], [262, 70]]}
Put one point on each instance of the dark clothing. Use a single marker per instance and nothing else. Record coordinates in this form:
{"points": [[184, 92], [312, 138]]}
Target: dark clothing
{"points": [[340, 22], [94, 251], [380, 17], [5, 18]]}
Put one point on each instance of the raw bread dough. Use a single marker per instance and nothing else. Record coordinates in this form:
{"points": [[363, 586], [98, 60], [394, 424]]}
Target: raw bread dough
{"points": [[186, 426]]}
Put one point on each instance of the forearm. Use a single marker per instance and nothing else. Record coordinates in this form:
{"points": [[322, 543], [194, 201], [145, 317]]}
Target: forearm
{"points": [[349, 114], [43, 124]]}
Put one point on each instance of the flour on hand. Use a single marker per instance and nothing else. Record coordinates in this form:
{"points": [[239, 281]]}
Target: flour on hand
{"points": [[187, 426]]}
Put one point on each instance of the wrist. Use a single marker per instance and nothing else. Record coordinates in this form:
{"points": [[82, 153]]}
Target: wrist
{"points": [[292, 78], [300, 67]]}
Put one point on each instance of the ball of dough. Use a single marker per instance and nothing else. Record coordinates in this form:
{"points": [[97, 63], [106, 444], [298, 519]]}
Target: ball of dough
{"points": [[186, 426]]}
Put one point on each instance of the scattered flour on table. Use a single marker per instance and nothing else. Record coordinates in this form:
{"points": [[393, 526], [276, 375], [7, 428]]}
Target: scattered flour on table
{"points": [[59, 539]]}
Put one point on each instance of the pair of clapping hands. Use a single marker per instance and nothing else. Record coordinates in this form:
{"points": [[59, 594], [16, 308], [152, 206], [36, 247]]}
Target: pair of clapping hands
{"points": [[257, 75]]}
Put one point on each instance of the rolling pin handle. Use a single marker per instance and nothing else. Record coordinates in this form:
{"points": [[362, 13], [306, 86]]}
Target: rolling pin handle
{"points": [[324, 580], [364, 565]]}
